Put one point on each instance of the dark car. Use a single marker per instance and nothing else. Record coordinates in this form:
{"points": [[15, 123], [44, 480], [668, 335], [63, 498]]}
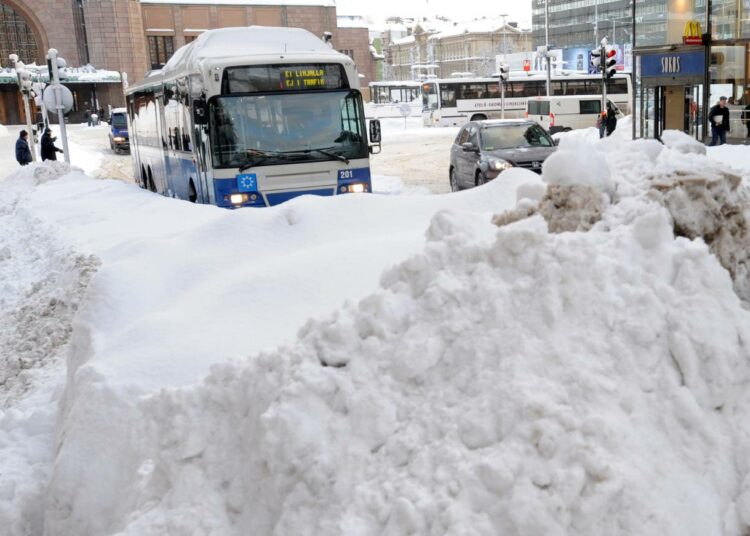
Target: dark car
{"points": [[118, 131], [484, 149]]}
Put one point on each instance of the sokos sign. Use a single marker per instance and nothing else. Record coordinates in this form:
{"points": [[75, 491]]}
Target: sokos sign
{"points": [[673, 65], [670, 65]]}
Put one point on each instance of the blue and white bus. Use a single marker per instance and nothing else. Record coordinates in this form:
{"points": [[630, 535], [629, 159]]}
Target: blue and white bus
{"points": [[251, 117]]}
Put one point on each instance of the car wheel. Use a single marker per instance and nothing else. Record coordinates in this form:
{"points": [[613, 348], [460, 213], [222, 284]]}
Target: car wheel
{"points": [[454, 180], [479, 179], [479, 117]]}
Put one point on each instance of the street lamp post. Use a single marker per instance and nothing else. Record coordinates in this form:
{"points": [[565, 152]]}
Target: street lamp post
{"points": [[25, 86], [54, 75], [546, 47]]}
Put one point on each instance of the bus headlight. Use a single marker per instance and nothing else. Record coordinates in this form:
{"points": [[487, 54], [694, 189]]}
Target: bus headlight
{"points": [[237, 199], [356, 188]]}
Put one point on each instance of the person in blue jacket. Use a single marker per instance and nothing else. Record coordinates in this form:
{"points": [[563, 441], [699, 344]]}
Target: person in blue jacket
{"points": [[23, 153]]}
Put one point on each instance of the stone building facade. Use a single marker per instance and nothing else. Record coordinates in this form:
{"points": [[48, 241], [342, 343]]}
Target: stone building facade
{"points": [[135, 36], [445, 49]]}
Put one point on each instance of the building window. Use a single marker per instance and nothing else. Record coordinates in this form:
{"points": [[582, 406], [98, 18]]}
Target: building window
{"points": [[161, 48], [81, 38], [16, 37], [190, 38], [348, 52]]}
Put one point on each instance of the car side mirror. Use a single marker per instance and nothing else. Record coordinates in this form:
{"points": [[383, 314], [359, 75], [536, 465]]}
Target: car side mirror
{"points": [[556, 141], [375, 132], [469, 147]]}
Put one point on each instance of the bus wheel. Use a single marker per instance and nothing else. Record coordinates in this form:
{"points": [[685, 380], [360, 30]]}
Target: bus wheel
{"points": [[192, 195], [479, 179], [454, 180], [144, 179], [478, 117]]}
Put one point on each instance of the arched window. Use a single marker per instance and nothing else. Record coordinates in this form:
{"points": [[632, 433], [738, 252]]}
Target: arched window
{"points": [[16, 37]]}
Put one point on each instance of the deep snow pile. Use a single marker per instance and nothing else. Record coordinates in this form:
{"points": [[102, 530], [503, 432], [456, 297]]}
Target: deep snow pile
{"points": [[506, 380], [42, 281]]}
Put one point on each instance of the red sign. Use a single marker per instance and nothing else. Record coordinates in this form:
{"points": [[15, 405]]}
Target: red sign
{"points": [[526, 65]]}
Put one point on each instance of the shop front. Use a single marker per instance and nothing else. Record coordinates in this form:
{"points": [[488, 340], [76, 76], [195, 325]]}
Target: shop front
{"points": [[681, 71]]}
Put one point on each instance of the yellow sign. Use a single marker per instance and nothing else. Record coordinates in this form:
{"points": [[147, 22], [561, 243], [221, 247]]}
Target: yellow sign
{"points": [[304, 78], [693, 34]]}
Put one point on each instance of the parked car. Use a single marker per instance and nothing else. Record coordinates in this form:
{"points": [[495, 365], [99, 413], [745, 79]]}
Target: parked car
{"points": [[484, 149], [559, 114], [118, 131]]}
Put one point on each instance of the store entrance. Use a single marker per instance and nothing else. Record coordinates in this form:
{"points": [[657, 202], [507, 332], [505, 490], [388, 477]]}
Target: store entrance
{"points": [[674, 107]]}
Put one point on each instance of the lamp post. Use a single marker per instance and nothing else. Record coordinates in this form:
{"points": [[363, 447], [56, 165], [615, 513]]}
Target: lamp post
{"points": [[24, 85], [546, 47]]}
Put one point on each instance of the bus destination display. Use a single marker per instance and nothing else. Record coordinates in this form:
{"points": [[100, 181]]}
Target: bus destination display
{"points": [[303, 78], [297, 77]]}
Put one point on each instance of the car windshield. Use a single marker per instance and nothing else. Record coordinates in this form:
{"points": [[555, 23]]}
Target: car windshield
{"points": [[286, 128], [514, 137], [119, 121]]}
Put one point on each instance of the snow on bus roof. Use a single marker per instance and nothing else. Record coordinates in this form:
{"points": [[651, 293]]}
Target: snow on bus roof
{"points": [[249, 40]]}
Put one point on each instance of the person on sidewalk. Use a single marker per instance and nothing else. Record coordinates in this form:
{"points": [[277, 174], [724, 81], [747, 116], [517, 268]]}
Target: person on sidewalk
{"points": [[23, 153], [49, 150], [718, 118]]}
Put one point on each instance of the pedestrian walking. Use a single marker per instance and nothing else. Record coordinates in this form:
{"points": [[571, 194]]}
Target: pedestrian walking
{"points": [[611, 119], [746, 119], [49, 150], [718, 117], [23, 153], [87, 115]]}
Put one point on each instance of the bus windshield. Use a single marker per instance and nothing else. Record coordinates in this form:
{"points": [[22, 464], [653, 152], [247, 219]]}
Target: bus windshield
{"points": [[284, 128], [119, 121]]}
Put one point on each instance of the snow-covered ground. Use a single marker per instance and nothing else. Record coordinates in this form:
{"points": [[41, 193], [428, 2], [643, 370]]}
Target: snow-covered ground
{"points": [[382, 364]]}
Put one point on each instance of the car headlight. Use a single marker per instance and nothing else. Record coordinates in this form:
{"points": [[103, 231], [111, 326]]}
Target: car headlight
{"points": [[119, 138], [500, 165]]}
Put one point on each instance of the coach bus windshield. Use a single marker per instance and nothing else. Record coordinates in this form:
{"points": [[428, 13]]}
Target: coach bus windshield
{"points": [[284, 128]]}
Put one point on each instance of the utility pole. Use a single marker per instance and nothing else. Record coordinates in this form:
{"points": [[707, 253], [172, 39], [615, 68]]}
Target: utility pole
{"points": [[56, 87], [546, 47]]}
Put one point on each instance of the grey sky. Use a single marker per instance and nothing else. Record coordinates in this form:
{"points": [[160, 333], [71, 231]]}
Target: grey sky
{"points": [[459, 10]]}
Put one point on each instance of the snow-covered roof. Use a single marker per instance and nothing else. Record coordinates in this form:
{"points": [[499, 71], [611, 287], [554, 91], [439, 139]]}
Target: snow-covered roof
{"points": [[351, 21], [69, 75], [477, 26], [245, 41], [404, 40]]}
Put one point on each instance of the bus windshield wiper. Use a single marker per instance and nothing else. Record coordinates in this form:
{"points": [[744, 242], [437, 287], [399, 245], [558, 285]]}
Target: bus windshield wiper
{"points": [[256, 156], [322, 150]]}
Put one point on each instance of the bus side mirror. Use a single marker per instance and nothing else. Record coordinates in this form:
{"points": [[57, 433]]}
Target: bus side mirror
{"points": [[375, 134], [200, 112]]}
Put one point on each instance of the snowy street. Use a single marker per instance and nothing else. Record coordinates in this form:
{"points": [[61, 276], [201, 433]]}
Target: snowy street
{"points": [[542, 355]]}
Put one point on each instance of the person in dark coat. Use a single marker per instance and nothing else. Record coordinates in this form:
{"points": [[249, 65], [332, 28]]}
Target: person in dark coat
{"points": [[49, 151], [718, 117], [611, 119], [746, 119], [87, 115], [23, 153]]}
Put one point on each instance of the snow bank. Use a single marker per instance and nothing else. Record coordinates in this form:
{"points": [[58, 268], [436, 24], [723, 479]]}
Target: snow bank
{"points": [[535, 384], [3, 131], [42, 282]]}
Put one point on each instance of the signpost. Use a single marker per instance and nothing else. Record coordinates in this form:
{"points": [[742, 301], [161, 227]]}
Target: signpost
{"points": [[24, 84]]}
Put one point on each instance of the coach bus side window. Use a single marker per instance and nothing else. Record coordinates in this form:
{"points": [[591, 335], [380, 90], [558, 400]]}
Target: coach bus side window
{"points": [[448, 95]]}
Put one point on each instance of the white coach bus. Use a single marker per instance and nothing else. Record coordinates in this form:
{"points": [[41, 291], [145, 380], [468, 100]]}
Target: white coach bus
{"points": [[450, 102], [251, 117]]}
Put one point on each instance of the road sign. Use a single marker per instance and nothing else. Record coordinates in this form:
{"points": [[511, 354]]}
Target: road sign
{"points": [[49, 98]]}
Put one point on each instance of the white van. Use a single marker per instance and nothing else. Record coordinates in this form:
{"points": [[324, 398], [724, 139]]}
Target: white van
{"points": [[566, 113]]}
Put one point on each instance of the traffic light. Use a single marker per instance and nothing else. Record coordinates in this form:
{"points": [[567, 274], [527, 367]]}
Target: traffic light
{"points": [[596, 59], [610, 63], [504, 72]]}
